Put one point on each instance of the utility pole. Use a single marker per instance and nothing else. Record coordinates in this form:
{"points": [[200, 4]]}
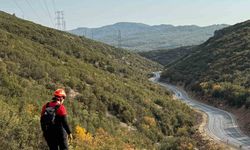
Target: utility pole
{"points": [[119, 39], [63, 21], [85, 33], [92, 34], [60, 22]]}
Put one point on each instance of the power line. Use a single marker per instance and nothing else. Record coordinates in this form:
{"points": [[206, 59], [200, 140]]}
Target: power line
{"points": [[32, 8], [44, 9], [45, 3], [18, 6], [54, 5]]}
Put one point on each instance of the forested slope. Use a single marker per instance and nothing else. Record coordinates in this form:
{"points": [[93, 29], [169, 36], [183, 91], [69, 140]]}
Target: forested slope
{"points": [[167, 57], [219, 68], [111, 103]]}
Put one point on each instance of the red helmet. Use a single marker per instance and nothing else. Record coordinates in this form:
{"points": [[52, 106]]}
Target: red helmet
{"points": [[60, 93]]}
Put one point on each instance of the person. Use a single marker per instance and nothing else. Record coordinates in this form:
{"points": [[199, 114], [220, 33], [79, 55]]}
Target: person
{"points": [[55, 132]]}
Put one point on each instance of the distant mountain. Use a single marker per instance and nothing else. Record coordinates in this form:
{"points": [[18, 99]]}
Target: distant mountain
{"points": [[218, 68], [142, 37]]}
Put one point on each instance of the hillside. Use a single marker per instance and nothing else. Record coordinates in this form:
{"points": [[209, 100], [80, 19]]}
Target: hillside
{"points": [[168, 56], [219, 68], [111, 103], [142, 37]]}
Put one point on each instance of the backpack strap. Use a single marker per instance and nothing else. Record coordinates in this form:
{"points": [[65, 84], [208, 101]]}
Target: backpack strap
{"points": [[56, 107], [47, 105]]}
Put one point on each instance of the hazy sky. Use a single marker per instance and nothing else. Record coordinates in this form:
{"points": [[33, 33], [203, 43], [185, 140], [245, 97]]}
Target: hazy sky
{"points": [[96, 13]]}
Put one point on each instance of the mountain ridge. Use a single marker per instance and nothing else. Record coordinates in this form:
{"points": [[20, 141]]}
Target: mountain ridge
{"points": [[142, 37]]}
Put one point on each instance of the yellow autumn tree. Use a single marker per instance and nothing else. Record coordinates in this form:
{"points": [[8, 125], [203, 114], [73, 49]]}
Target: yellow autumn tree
{"points": [[100, 140], [31, 109], [186, 146], [216, 87], [82, 136], [150, 121], [204, 85]]}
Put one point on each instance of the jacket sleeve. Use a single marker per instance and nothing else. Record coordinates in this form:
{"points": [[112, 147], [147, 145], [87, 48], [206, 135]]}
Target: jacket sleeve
{"points": [[43, 126], [65, 124]]}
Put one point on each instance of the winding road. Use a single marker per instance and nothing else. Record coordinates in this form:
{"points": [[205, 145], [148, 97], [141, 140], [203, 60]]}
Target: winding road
{"points": [[221, 125]]}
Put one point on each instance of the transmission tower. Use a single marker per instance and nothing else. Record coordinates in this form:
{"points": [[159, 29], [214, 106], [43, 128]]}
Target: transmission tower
{"points": [[119, 39], [92, 34], [84, 33], [60, 22], [64, 25]]}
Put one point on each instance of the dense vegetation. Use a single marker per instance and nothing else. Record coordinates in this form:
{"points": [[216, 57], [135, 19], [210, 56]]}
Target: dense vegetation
{"points": [[168, 56], [219, 68], [142, 37], [111, 103]]}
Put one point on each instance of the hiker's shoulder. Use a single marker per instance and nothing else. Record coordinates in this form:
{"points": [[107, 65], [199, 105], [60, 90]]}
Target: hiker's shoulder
{"points": [[62, 111]]}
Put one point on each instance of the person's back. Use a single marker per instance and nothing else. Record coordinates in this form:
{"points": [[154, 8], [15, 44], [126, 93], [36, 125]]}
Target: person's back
{"points": [[55, 127]]}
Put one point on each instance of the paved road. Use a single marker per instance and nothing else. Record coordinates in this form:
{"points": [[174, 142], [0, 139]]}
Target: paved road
{"points": [[221, 124]]}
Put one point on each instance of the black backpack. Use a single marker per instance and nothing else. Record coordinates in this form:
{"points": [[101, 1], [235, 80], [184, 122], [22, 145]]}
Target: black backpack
{"points": [[49, 115]]}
